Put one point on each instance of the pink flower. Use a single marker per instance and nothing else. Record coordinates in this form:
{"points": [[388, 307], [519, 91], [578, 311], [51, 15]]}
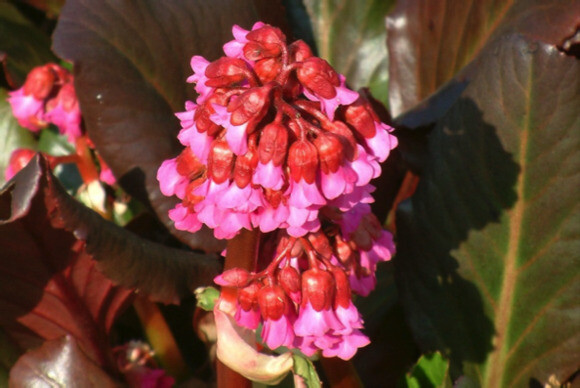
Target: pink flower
{"points": [[28, 110], [64, 112], [235, 48]]}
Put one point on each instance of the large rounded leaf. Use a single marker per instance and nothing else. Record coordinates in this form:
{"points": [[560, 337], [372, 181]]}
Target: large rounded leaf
{"points": [[40, 223], [488, 251], [430, 41], [131, 62]]}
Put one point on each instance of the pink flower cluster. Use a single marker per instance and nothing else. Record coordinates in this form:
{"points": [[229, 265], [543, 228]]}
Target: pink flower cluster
{"points": [[274, 137], [48, 96], [302, 298]]}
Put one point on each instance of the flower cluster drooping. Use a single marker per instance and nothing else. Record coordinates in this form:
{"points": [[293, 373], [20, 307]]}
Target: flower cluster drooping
{"points": [[48, 96], [275, 141], [273, 137], [302, 298]]}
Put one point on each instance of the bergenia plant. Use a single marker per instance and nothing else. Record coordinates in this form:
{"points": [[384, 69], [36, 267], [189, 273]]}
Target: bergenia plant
{"points": [[293, 193]]}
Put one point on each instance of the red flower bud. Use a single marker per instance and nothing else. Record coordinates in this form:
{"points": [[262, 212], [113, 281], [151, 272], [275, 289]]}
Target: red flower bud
{"points": [[220, 161], [272, 301], [235, 277], [361, 116], [289, 279], [249, 105], [202, 120], [268, 69], [188, 165], [343, 295], [319, 77], [320, 244], [330, 152], [248, 296], [40, 82], [244, 167], [264, 42], [344, 252], [273, 144], [318, 287], [226, 72], [300, 51], [303, 161], [346, 137]]}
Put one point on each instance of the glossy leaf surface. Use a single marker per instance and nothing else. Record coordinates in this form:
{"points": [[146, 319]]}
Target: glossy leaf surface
{"points": [[488, 245]]}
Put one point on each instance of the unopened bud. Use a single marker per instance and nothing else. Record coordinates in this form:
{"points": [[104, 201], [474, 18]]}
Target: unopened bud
{"points": [[188, 165], [235, 277], [244, 167], [273, 144], [300, 51], [330, 152], [220, 161], [362, 118], [289, 279], [319, 77], [264, 42], [303, 161], [268, 69], [272, 301], [343, 294], [40, 82], [202, 119], [248, 296], [249, 105], [346, 137], [318, 288], [226, 72]]}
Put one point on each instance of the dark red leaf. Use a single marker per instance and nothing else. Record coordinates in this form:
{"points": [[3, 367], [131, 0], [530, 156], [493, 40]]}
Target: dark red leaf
{"points": [[59, 363], [430, 41], [60, 222], [131, 63]]}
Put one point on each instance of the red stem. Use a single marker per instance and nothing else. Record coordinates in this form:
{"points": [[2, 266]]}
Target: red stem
{"points": [[242, 252]]}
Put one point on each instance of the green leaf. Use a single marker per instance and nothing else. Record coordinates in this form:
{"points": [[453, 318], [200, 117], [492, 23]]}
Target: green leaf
{"points": [[25, 46], [429, 42], [351, 36], [54, 144], [488, 245], [206, 297], [12, 135], [431, 371], [304, 368]]}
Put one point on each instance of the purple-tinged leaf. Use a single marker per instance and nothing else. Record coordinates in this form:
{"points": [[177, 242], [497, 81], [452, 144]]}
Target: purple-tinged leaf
{"points": [[131, 62], [487, 262], [431, 41], [64, 228], [59, 363]]}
